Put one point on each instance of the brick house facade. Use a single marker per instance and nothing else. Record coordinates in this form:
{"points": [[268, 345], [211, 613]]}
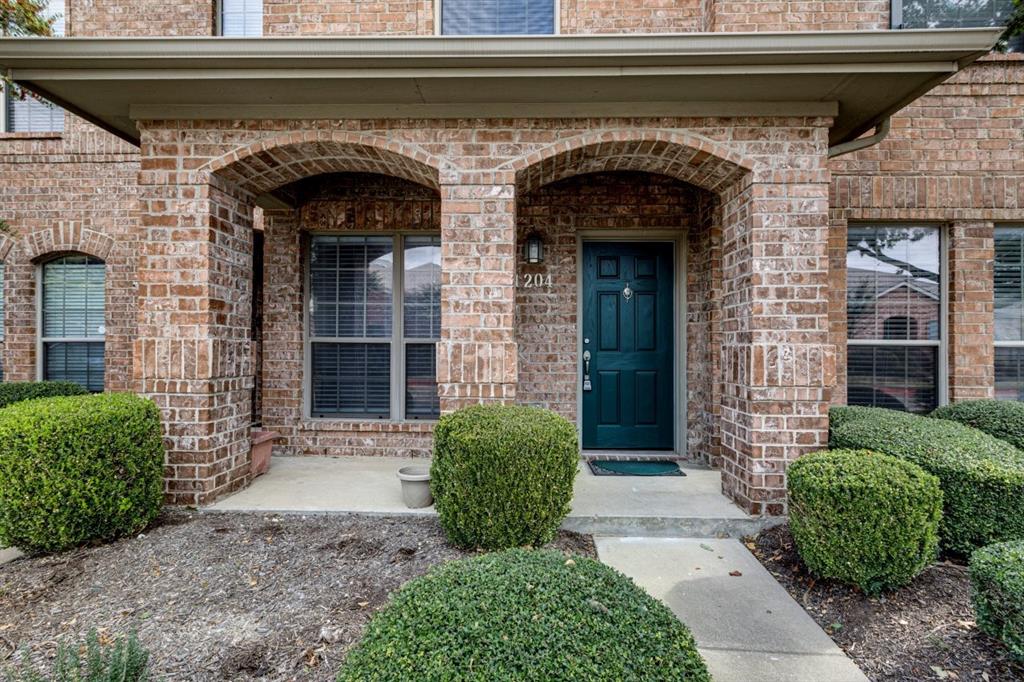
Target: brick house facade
{"points": [[758, 218]]}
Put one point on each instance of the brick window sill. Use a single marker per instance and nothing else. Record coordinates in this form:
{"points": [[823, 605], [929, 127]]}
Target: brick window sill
{"points": [[31, 136], [369, 425]]}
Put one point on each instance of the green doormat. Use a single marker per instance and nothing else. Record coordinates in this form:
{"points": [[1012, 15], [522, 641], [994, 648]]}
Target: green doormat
{"points": [[643, 467]]}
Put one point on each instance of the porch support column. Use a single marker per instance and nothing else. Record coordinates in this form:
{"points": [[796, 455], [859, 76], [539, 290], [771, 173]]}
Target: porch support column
{"points": [[192, 351], [778, 364], [477, 354], [971, 310]]}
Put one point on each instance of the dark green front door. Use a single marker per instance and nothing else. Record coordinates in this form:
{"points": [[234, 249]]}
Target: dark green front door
{"points": [[627, 332]]}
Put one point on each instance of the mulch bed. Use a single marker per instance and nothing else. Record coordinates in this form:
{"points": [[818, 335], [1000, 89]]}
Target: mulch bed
{"points": [[924, 631], [227, 597]]}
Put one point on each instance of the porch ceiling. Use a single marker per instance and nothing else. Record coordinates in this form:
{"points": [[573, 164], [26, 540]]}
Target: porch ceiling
{"points": [[857, 77]]}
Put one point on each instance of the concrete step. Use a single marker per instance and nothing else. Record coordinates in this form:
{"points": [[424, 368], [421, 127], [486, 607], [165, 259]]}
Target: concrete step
{"points": [[669, 526]]}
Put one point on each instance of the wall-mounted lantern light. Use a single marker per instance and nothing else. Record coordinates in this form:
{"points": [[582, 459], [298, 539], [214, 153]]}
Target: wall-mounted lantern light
{"points": [[534, 249]]}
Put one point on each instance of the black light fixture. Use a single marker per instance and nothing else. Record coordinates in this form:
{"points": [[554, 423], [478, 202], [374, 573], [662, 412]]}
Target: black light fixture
{"points": [[534, 249]]}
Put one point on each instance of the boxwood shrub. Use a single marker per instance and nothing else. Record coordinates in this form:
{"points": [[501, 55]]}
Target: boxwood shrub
{"points": [[78, 469], [997, 591], [16, 391], [502, 475], [864, 518], [1003, 419], [982, 477], [524, 615]]}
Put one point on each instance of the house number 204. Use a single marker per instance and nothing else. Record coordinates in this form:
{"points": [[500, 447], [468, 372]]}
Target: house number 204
{"points": [[532, 281]]}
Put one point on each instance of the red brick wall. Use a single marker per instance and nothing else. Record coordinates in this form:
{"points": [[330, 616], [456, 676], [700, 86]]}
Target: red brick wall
{"points": [[132, 18], [800, 15], [632, 16], [349, 17]]}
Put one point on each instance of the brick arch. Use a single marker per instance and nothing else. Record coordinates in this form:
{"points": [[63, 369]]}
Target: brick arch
{"points": [[276, 161], [67, 237], [690, 158]]}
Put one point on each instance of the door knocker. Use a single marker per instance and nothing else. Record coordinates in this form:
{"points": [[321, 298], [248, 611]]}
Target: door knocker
{"points": [[627, 293]]}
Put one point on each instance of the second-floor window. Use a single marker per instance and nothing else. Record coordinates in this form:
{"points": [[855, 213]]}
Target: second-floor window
{"points": [[497, 17], [954, 14], [28, 114], [241, 17]]}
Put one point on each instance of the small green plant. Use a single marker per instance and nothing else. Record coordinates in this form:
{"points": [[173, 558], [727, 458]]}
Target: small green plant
{"points": [[982, 477], [863, 518], [1003, 419], [123, 660], [17, 391], [78, 469], [997, 592], [502, 476], [524, 615]]}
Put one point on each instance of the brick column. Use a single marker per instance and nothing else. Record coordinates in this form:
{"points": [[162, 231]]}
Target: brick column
{"points": [[971, 316], [778, 363], [192, 351], [476, 357]]}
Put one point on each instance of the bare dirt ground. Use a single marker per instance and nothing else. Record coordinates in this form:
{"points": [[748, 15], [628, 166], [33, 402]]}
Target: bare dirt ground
{"points": [[924, 631], [226, 597]]}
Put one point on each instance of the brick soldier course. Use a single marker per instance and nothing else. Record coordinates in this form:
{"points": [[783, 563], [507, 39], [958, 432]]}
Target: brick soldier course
{"points": [[759, 209]]}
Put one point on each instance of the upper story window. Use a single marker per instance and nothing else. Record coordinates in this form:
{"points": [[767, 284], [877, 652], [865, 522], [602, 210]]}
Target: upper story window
{"points": [[241, 17], [31, 115], [954, 14], [72, 320], [497, 17], [894, 316], [1009, 312]]}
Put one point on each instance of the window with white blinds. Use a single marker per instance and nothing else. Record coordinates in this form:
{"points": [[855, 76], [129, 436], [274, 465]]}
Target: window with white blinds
{"points": [[371, 352], [28, 114], [2, 318], [894, 316], [241, 18], [497, 17], [1009, 312], [72, 320]]}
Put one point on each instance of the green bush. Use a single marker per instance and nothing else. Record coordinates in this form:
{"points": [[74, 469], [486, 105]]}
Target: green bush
{"points": [[17, 391], [502, 475], [982, 477], [78, 469], [1003, 419], [123, 661], [997, 590], [864, 518], [837, 416], [524, 615]]}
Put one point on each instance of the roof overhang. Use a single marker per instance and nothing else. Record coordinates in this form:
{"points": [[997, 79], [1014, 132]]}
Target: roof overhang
{"points": [[859, 78]]}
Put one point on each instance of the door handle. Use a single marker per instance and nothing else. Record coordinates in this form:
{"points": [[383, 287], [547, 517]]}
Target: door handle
{"points": [[586, 362]]}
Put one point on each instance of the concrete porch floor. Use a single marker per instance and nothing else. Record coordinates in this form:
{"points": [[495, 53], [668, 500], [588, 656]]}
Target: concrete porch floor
{"points": [[667, 506]]}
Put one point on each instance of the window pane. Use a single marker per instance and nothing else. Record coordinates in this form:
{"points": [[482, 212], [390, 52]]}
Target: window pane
{"points": [[956, 13], [30, 115], [351, 286], [422, 288], [351, 379], [1010, 373], [2, 318], [497, 17], [241, 17], [421, 401], [892, 283], [894, 377], [73, 297], [80, 362], [1009, 284]]}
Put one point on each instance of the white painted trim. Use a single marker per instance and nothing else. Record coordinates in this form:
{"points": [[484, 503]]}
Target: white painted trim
{"points": [[679, 240]]}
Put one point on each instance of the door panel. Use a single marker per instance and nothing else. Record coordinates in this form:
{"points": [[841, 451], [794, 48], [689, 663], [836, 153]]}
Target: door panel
{"points": [[630, 339]]}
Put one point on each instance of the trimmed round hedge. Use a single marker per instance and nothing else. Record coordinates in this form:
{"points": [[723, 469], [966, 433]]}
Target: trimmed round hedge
{"points": [[502, 475], [524, 615], [997, 591], [1002, 419], [864, 518], [982, 477], [17, 391], [79, 469]]}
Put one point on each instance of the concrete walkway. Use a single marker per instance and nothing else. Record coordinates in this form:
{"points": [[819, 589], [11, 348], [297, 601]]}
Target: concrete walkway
{"points": [[747, 626], [681, 506], [8, 555]]}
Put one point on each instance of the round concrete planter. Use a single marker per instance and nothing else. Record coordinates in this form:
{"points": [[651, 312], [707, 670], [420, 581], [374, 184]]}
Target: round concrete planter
{"points": [[416, 486]]}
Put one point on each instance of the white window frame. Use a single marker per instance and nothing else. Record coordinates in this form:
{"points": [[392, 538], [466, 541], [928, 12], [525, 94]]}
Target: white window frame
{"points": [[397, 339], [557, 30], [42, 340], [219, 21], [942, 364]]}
